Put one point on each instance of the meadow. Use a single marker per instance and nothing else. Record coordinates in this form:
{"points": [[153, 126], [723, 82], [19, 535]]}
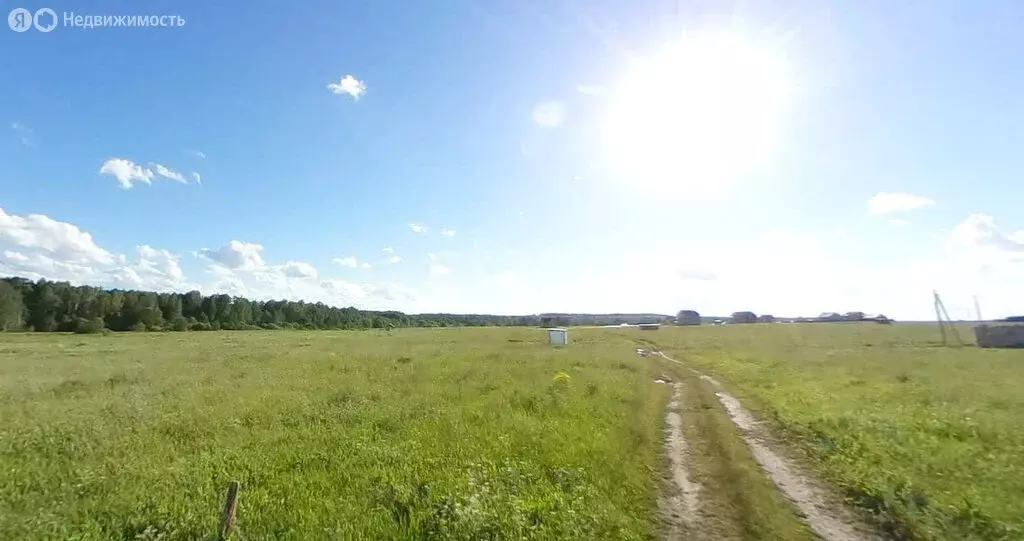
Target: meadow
{"points": [[929, 438], [454, 434], [491, 433]]}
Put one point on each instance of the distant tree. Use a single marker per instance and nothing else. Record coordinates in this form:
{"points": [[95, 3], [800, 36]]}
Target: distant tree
{"points": [[43, 306], [191, 304], [179, 324], [12, 307], [58, 306], [89, 326], [170, 306]]}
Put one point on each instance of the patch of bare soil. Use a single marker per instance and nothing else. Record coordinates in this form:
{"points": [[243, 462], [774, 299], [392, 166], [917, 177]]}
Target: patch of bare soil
{"points": [[679, 507]]}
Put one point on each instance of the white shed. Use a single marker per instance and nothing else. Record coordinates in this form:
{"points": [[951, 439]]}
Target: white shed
{"points": [[558, 337]]}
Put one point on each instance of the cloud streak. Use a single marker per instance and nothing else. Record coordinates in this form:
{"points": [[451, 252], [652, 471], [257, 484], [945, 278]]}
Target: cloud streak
{"points": [[126, 172], [350, 86], [346, 262], [888, 203], [166, 172]]}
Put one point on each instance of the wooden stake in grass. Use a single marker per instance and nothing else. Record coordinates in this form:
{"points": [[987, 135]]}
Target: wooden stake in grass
{"points": [[227, 518]]}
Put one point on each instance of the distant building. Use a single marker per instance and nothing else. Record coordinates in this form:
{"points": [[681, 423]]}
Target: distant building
{"points": [[744, 317], [853, 316], [766, 318], [558, 337], [649, 326], [830, 316], [687, 317]]}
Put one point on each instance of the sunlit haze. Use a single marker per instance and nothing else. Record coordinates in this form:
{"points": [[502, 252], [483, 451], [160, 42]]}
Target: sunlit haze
{"points": [[788, 158], [693, 114]]}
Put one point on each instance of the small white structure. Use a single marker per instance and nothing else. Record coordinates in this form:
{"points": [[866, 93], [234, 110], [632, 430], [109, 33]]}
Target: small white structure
{"points": [[558, 337]]}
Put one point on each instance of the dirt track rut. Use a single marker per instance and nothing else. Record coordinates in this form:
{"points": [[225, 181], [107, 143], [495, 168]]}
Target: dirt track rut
{"points": [[679, 507], [821, 512]]}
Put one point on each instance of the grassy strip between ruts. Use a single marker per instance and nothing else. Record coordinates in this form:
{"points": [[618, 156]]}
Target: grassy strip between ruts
{"points": [[928, 438], [737, 501]]}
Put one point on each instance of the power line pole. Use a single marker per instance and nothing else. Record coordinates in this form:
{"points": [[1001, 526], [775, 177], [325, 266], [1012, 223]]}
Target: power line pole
{"points": [[945, 323]]}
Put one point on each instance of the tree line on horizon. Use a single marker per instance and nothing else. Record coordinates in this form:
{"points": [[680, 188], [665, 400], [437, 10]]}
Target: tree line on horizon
{"points": [[48, 306]]}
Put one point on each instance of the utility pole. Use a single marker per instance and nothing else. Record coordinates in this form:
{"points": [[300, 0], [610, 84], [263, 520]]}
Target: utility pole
{"points": [[944, 322]]}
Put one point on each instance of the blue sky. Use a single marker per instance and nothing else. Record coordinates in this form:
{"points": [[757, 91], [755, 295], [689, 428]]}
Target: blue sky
{"points": [[885, 169]]}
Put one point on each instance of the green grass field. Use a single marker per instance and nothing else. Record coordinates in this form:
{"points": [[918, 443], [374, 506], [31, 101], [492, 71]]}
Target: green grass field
{"points": [[929, 437], [470, 433], [458, 434]]}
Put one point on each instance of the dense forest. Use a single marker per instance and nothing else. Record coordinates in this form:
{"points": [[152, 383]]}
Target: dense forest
{"points": [[45, 306]]}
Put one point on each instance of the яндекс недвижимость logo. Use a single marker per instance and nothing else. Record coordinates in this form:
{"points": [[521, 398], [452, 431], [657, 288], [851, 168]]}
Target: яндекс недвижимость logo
{"points": [[21, 19], [45, 20]]}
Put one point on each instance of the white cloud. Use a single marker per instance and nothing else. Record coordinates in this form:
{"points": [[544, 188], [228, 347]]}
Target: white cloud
{"points": [[393, 293], [366, 266], [46, 248], [388, 250], [298, 269], [439, 270], [431, 256], [448, 232], [348, 85], [197, 178], [61, 240], [198, 154], [980, 231], [38, 265], [886, 203], [351, 293], [395, 259], [346, 261], [236, 255], [898, 222], [154, 270], [160, 262], [36, 246], [549, 114], [590, 90], [168, 173], [417, 228], [126, 172]]}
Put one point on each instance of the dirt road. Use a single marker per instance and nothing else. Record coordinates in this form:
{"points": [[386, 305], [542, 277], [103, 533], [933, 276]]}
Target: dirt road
{"points": [[727, 480]]}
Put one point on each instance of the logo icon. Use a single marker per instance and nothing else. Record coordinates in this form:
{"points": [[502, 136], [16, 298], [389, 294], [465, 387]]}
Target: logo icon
{"points": [[45, 27], [20, 19]]}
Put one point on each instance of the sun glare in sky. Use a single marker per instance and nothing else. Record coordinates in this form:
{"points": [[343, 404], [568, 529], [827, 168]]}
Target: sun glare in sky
{"points": [[697, 113]]}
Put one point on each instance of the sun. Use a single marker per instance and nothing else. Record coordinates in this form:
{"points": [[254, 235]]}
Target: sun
{"points": [[696, 114]]}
